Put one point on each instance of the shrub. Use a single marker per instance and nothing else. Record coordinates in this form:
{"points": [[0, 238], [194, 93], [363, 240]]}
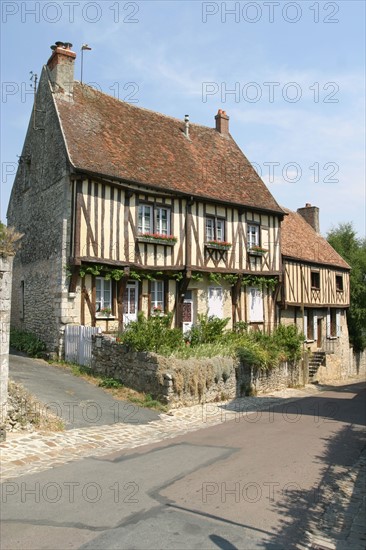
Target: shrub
{"points": [[27, 342], [209, 329], [289, 339], [153, 334]]}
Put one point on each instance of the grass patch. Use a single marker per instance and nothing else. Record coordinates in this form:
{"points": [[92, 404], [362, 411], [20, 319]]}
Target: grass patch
{"points": [[112, 386], [27, 342]]}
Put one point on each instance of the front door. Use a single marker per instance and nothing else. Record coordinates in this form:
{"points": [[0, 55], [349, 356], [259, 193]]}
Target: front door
{"points": [[319, 333], [187, 314], [130, 303]]}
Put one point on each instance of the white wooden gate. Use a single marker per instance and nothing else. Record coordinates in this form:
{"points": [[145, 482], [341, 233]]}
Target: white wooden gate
{"points": [[78, 344]]}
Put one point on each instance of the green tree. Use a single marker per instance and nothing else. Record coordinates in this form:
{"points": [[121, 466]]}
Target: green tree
{"points": [[9, 240], [353, 249]]}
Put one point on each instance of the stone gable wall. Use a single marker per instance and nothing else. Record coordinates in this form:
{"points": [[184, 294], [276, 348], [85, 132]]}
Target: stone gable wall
{"points": [[39, 208]]}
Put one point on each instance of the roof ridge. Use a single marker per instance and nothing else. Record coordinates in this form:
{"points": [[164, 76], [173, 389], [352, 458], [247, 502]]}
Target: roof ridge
{"points": [[126, 103]]}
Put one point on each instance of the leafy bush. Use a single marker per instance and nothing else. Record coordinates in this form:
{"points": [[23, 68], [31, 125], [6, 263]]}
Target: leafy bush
{"points": [[153, 334], [209, 329], [289, 339], [9, 240], [27, 342], [209, 339]]}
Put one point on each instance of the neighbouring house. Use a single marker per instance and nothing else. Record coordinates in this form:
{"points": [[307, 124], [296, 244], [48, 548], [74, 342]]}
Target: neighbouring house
{"points": [[315, 293], [126, 210]]}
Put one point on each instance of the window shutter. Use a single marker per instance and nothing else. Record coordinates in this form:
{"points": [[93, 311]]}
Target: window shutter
{"points": [[306, 324], [315, 325], [338, 320], [255, 305], [328, 324]]}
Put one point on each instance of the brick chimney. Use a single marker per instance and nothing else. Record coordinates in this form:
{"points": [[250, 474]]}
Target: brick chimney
{"points": [[222, 122], [310, 215], [61, 67]]}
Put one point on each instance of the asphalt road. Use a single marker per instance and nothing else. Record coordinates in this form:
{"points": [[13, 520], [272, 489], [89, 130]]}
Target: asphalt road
{"points": [[254, 482], [77, 402]]}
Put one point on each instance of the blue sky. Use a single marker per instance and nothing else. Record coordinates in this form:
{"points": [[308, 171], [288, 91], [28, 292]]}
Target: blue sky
{"points": [[289, 74]]}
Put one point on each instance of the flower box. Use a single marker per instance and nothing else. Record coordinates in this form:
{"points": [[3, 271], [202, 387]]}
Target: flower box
{"points": [[168, 240], [218, 245], [257, 251]]}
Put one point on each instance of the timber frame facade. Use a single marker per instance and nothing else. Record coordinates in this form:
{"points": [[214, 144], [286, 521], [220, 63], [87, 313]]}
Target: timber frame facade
{"points": [[105, 231], [127, 210], [315, 292]]}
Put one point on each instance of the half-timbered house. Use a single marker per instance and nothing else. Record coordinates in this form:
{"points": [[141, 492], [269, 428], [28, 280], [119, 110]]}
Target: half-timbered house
{"points": [[126, 210], [315, 293]]}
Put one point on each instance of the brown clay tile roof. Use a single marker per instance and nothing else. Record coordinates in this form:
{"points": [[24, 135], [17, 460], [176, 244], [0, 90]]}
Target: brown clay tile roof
{"points": [[300, 241], [116, 139]]}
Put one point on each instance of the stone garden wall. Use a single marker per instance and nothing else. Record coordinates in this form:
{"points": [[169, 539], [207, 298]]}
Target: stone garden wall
{"points": [[6, 264], [284, 376], [182, 382]]}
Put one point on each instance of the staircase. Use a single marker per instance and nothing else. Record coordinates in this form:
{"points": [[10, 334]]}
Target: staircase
{"points": [[316, 360]]}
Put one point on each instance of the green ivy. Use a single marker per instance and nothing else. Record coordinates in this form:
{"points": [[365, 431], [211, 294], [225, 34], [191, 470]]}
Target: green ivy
{"points": [[262, 282], [196, 276]]}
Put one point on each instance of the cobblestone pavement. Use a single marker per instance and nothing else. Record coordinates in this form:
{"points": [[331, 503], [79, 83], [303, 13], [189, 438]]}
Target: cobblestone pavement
{"points": [[340, 525]]}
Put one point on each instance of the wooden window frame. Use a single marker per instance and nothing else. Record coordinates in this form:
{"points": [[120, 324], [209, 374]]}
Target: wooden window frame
{"points": [[317, 274], [154, 208], [154, 302], [309, 325], [339, 278], [103, 280], [258, 233], [215, 220]]}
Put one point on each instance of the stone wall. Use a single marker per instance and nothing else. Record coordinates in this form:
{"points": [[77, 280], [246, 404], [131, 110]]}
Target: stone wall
{"points": [[175, 382], [286, 375], [358, 364], [182, 382], [5, 304]]}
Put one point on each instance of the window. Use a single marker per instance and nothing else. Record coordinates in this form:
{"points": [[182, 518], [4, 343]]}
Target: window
{"points": [[215, 301], [253, 235], [153, 219], [162, 221], [255, 305], [157, 296], [333, 323], [310, 325], [103, 296], [215, 229], [145, 224], [315, 280], [339, 283]]}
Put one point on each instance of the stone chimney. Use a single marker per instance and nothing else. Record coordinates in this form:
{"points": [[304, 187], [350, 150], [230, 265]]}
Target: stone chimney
{"points": [[311, 215], [61, 67], [222, 122]]}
